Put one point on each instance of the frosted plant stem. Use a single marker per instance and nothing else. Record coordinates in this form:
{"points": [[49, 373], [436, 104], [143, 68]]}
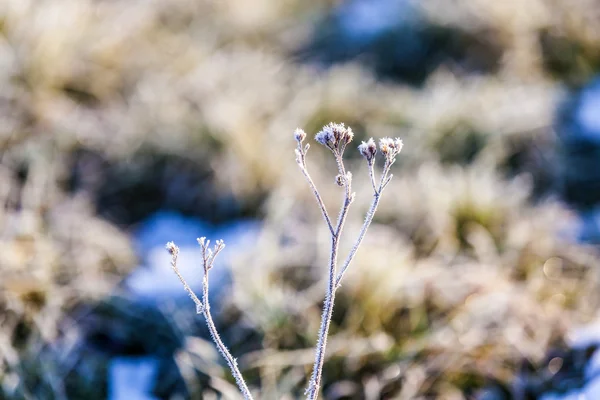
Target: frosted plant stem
{"points": [[312, 391], [334, 282], [239, 379], [368, 218], [203, 307], [300, 159], [174, 250], [372, 176], [361, 235], [335, 137]]}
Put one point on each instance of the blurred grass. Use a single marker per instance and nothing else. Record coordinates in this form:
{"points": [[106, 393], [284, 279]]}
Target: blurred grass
{"points": [[111, 110]]}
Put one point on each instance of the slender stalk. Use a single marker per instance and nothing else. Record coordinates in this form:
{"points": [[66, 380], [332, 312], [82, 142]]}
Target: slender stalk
{"points": [[203, 307], [312, 391], [301, 159], [174, 250], [368, 218], [390, 148], [348, 197], [372, 176], [361, 235], [335, 137], [233, 366]]}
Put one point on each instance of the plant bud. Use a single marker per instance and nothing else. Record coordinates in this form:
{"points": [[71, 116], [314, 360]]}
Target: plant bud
{"points": [[299, 135], [368, 150]]}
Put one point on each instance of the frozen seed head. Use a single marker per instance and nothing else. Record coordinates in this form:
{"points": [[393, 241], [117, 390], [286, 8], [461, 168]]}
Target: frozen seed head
{"points": [[299, 135], [172, 248], [326, 136], [219, 245], [390, 147], [333, 135], [368, 150]]}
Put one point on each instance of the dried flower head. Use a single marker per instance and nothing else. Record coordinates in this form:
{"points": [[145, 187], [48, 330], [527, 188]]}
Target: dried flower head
{"points": [[334, 135], [172, 248], [299, 135], [368, 150], [390, 147]]}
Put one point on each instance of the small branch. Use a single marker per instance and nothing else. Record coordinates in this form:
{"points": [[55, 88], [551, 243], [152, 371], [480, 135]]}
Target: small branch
{"points": [[208, 257], [232, 362], [386, 177], [301, 160], [312, 390], [361, 235], [340, 164], [335, 137], [174, 250], [220, 246], [389, 178], [372, 176], [348, 196]]}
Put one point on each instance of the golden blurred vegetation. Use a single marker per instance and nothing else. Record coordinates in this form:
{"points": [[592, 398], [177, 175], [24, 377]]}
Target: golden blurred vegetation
{"points": [[111, 110]]}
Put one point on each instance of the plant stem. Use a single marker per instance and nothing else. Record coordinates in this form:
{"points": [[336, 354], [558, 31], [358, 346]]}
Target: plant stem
{"points": [[361, 235], [208, 257], [335, 137], [372, 176], [368, 218], [220, 345], [312, 391], [302, 163]]}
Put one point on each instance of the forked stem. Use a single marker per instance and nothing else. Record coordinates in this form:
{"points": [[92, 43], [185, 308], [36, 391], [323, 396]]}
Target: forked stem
{"points": [[335, 137], [203, 307], [315, 380]]}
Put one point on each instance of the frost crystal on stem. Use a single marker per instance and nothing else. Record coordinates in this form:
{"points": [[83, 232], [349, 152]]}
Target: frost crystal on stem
{"points": [[203, 307], [335, 137]]}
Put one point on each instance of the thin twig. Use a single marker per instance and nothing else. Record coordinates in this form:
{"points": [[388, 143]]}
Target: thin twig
{"points": [[372, 176], [368, 218], [336, 137], [361, 235], [174, 250], [301, 159], [208, 257], [312, 390]]}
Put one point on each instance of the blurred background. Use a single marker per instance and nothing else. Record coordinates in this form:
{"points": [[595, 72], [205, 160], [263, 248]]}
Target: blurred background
{"points": [[127, 124]]}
